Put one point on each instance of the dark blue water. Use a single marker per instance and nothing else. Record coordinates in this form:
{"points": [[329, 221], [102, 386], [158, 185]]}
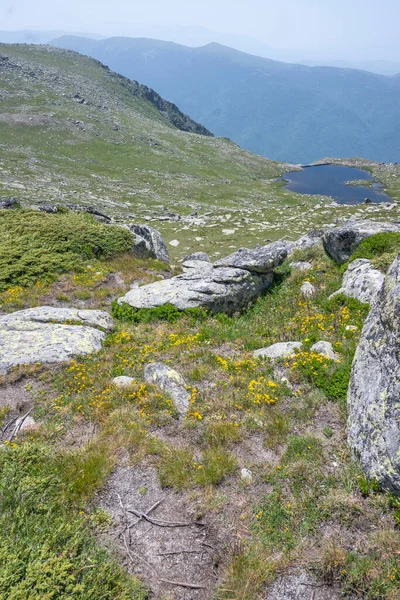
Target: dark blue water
{"points": [[330, 180]]}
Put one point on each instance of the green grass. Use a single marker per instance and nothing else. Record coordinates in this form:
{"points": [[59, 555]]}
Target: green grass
{"points": [[381, 248]]}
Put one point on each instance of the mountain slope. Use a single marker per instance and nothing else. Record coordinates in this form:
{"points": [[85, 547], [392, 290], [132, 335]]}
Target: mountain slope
{"points": [[287, 112]]}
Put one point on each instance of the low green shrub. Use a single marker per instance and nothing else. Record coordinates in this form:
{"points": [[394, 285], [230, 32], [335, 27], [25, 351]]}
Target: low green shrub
{"points": [[381, 248], [166, 312], [36, 246]]}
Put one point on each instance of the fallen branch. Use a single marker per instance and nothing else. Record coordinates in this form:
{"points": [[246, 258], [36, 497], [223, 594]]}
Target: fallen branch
{"points": [[199, 551], [192, 586], [160, 523], [19, 424]]}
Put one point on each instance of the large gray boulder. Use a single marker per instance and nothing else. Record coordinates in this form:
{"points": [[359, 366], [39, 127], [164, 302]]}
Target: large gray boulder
{"points": [[361, 281], [220, 287], [340, 242], [170, 382], [149, 243], [219, 290], [50, 335], [262, 259], [374, 392]]}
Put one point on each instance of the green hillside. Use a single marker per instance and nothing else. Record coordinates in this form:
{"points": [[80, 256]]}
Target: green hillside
{"points": [[73, 132], [283, 111]]}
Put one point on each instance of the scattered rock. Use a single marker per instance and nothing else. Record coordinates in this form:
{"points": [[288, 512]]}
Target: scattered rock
{"points": [[308, 289], [279, 350], [246, 476], [351, 328], [361, 281], [171, 382], [373, 397], [174, 243], [149, 243], [326, 349], [6, 203], [26, 424], [50, 335], [301, 266], [196, 256], [340, 242], [122, 381]]}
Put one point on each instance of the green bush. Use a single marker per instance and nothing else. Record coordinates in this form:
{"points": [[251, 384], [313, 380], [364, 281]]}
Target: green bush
{"points": [[36, 246], [381, 248]]}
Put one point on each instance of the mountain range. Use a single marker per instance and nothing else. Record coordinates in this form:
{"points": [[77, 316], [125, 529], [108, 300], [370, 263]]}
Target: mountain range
{"points": [[286, 112]]}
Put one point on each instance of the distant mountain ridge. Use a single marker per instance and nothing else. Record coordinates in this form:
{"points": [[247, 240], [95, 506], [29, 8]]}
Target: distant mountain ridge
{"points": [[284, 111]]}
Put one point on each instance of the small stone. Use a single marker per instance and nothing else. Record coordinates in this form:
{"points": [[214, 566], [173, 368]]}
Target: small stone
{"points": [[123, 381], [27, 423], [301, 265], [279, 350], [171, 382], [174, 243], [326, 349], [308, 289], [246, 475], [351, 328]]}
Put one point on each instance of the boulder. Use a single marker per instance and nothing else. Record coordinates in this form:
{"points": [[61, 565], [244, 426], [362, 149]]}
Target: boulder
{"points": [[219, 290], [306, 241], [217, 287], [374, 391], [340, 242], [50, 335], [361, 281], [326, 349], [262, 259], [171, 382], [279, 350], [149, 243], [6, 203]]}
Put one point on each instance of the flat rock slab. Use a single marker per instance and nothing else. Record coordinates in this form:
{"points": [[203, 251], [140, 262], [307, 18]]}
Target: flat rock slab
{"points": [[374, 391], [50, 335], [340, 242], [279, 350], [171, 382], [219, 290], [361, 281], [260, 260]]}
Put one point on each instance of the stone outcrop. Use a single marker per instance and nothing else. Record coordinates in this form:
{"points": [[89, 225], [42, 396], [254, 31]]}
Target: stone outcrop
{"points": [[325, 349], [149, 243], [374, 392], [361, 281], [50, 335], [340, 242], [171, 382], [308, 240], [220, 287]]}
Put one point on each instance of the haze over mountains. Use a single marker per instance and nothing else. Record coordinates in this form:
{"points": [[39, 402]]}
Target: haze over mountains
{"points": [[283, 111]]}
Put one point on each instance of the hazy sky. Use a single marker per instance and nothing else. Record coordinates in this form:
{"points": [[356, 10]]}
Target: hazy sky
{"points": [[353, 28]]}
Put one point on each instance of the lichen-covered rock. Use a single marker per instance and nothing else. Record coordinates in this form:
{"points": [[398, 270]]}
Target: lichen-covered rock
{"points": [[340, 242], [361, 281], [279, 350], [326, 349], [374, 392], [219, 290], [171, 382], [195, 256], [262, 259], [50, 335], [308, 240], [149, 243]]}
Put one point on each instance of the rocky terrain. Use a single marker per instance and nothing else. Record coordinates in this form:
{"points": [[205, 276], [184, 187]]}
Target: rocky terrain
{"points": [[177, 424]]}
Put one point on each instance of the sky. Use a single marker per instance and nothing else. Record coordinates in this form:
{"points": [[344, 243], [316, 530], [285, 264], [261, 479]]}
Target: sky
{"points": [[364, 29]]}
